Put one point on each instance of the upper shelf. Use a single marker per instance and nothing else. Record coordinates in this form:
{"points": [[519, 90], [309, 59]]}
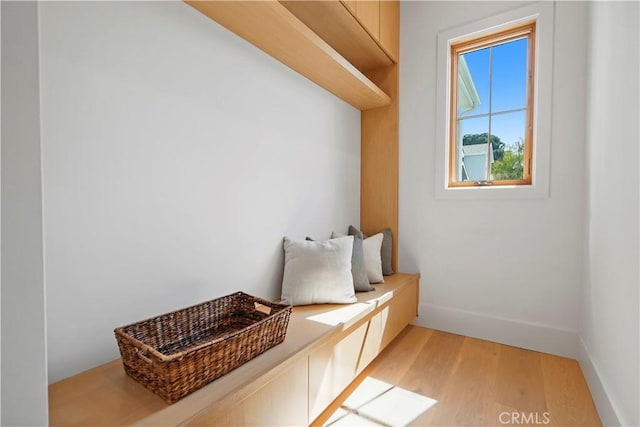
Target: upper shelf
{"points": [[273, 28], [338, 26]]}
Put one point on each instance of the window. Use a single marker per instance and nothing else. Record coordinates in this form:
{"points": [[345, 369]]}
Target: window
{"points": [[486, 33], [491, 108]]}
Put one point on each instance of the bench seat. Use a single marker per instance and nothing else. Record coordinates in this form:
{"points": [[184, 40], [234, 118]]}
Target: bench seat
{"points": [[326, 347]]}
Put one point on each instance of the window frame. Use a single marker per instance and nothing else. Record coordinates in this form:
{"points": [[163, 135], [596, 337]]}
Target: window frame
{"points": [[459, 47], [544, 15]]}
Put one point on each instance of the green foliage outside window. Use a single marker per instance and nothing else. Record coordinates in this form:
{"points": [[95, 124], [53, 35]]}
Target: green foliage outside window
{"points": [[511, 165]]}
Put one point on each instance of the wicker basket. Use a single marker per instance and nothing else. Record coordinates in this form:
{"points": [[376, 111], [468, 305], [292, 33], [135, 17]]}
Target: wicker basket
{"points": [[179, 352]]}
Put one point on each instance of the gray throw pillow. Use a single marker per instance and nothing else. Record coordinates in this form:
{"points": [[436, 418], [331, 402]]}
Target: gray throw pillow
{"points": [[358, 267], [385, 251]]}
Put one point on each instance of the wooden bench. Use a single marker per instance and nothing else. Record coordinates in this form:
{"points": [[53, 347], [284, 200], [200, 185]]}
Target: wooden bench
{"points": [[326, 347]]}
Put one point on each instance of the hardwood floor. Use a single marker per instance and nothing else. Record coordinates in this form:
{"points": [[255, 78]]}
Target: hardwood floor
{"points": [[461, 381]]}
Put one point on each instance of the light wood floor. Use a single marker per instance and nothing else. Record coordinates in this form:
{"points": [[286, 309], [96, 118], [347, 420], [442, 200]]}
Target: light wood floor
{"points": [[478, 383]]}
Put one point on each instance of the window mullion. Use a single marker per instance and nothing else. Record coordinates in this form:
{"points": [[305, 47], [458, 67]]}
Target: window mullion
{"points": [[489, 145]]}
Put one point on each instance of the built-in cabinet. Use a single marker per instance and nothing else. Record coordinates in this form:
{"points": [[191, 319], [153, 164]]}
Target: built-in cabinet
{"points": [[350, 5], [381, 20], [293, 383], [389, 25], [368, 13], [364, 32], [282, 401], [331, 368], [303, 391]]}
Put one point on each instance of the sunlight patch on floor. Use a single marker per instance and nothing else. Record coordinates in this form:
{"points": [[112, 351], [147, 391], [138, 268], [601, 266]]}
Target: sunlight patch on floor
{"points": [[377, 403]]}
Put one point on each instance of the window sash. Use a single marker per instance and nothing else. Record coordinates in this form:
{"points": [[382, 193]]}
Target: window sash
{"points": [[461, 47]]}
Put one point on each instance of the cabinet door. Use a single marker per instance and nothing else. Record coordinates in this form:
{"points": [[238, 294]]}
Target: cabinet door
{"points": [[372, 342], [332, 367], [390, 28], [368, 13], [338, 24], [351, 5], [398, 314], [282, 401]]}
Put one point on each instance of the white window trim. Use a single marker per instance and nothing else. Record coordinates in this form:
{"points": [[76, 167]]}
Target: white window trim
{"points": [[543, 13]]}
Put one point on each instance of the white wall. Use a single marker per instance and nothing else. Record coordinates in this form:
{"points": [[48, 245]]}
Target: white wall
{"points": [[24, 366], [610, 323], [505, 270], [176, 157], [0, 220]]}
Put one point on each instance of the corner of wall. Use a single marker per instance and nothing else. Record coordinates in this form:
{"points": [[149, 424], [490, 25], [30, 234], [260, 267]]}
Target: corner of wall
{"points": [[599, 393], [24, 364], [608, 339]]}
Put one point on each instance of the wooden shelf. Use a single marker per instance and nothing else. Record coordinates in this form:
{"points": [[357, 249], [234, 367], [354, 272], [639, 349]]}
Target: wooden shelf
{"points": [[274, 29]]}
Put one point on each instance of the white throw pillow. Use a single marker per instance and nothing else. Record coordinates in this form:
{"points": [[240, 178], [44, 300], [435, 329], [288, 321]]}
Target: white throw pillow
{"points": [[318, 272], [372, 258]]}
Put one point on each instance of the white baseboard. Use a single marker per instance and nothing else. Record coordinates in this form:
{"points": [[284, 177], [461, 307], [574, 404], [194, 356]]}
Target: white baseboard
{"points": [[504, 331], [605, 409]]}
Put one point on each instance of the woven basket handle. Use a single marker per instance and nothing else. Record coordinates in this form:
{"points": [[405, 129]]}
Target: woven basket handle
{"points": [[262, 308], [143, 356]]}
